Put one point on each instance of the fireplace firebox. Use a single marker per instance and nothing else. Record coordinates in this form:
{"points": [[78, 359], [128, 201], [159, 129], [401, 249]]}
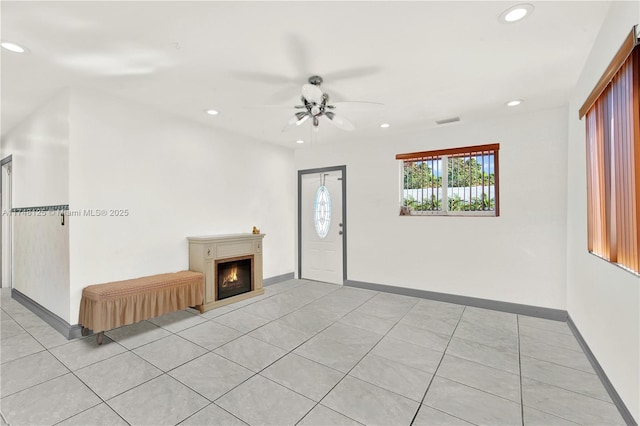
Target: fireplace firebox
{"points": [[234, 276]]}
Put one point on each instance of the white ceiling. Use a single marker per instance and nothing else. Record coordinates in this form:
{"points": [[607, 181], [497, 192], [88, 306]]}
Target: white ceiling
{"points": [[423, 60]]}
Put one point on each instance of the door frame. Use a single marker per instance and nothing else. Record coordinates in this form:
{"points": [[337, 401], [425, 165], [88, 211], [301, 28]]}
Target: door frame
{"points": [[343, 169], [8, 159]]}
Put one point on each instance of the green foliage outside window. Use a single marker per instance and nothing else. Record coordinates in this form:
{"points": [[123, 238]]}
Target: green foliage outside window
{"points": [[465, 171]]}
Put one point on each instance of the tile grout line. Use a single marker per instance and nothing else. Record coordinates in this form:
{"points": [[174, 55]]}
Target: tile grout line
{"points": [[559, 365], [162, 373], [554, 415], [105, 359], [528, 356], [206, 319], [531, 356], [316, 403], [208, 351], [102, 401], [265, 324], [176, 333], [354, 366], [70, 371], [473, 361], [209, 405], [539, 381], [437, 367], [485, 345], [287, 352], [609, 401], [538, 339], [279, 358], [478, 389], [45, 349], [537, 327], [568, 390], [74, 375], [166, 373]]}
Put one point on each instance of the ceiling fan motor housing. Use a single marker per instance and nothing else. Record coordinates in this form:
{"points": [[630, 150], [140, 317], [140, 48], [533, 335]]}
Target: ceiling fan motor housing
{"points": [[316, 80]]}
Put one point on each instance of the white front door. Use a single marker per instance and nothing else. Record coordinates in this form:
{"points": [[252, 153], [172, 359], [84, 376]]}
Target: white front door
{"points": [[322, 227]]}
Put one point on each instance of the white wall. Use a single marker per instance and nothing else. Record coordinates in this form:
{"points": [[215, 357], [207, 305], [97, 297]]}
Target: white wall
{"points": [[602, 299], [39, 147], [176, 179], [518, 257]]}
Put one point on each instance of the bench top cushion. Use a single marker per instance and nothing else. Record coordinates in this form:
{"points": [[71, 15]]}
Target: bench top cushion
{"points": [[119, 289]]}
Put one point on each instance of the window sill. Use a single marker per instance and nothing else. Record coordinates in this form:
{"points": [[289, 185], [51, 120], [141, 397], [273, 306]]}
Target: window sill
{"points": [[617, 265], [459, 214]]}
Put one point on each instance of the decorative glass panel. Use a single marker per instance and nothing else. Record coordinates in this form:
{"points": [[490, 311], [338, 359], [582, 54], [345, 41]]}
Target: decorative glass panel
{"points": [[322, 211]]}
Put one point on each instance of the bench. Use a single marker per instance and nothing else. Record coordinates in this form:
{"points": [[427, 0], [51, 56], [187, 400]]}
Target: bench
{"points": [[112, 305]]}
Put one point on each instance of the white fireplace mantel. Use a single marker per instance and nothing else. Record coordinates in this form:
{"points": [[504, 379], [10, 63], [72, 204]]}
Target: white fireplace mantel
{"points": [[205, 251]]}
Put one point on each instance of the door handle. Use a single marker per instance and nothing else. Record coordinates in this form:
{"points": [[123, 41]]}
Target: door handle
{"points": [[340, 232]]}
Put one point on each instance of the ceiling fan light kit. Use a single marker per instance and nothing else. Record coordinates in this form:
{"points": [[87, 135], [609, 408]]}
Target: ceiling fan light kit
{"points": [[315, 105]]}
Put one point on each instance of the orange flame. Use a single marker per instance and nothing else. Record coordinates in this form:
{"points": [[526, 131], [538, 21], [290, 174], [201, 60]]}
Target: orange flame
{"points": [[231, 277]]}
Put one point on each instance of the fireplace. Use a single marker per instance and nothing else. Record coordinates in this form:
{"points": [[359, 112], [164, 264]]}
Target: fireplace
{"points": [[234, 276], [232, 267]]}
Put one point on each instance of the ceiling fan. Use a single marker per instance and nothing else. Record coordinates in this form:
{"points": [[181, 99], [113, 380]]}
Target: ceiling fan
{"points": [[315, 105]]}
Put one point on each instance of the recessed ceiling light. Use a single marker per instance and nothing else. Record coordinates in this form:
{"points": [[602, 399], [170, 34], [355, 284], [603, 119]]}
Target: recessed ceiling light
{"points": [[516, 13], [211, 111], [299, 141], [514, 102], [12, 47], [385, 125]]}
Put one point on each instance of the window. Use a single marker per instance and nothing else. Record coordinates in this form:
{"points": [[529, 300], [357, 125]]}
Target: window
{"points": [[613, 160], [457, 181]]}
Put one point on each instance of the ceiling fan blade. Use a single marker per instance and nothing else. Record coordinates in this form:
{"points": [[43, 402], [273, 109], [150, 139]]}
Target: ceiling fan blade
{"points": [[295, 121], [299, 54], [312, 93], [262, 77], [274, 106], [288, 93], [340, 123], [336, 95], [351, 73], [358, 104], [290, 123]]}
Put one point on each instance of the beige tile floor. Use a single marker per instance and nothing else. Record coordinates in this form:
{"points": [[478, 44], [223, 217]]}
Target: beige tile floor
{"points": [[304, 353]]}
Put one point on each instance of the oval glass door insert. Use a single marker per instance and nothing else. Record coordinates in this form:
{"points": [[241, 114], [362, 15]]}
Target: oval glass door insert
{"points": [[322, 211]]}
